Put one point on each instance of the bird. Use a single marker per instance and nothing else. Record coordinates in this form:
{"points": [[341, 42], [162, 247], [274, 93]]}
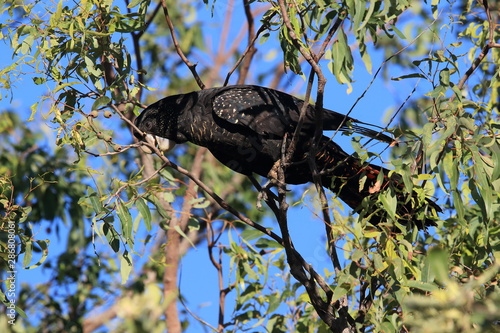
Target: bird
{"points": [[245, 127]]}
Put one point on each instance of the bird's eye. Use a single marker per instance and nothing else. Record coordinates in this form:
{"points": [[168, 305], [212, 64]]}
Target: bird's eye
{"points": [[148, 125]]}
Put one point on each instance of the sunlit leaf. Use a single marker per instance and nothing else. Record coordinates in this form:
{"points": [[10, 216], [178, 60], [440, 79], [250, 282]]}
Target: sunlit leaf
{"points": [[125, 266], [145, 212]]}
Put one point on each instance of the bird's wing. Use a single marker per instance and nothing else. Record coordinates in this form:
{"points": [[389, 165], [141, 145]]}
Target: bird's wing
{"points": [[271, 112], [256, 108]]}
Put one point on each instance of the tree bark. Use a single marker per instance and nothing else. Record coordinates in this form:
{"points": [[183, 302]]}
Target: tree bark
{"points": [[170, 291]]}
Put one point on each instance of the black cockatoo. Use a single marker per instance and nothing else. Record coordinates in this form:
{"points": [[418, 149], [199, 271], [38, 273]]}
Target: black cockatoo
{"points": [[244, 126]]}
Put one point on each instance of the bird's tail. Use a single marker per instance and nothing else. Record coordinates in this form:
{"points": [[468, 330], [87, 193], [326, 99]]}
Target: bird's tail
{"points": [[359, 184]]}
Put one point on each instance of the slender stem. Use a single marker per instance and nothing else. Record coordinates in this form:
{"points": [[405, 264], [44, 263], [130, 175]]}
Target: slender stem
{"points": [[249, 51], [220, 276], [484, 52], [324, 309], [251, 41], [148, 21], [189, 64]]}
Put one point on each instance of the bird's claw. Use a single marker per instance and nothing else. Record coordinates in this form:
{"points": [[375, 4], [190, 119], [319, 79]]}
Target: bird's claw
{"points": [[266, 194]]}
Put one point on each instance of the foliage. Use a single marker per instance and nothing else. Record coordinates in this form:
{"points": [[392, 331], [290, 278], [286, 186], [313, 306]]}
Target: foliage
{"points": [[125, 219]]}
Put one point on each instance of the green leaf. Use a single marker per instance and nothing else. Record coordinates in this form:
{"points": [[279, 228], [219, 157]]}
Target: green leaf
{"points": [[33, 109], [390, 202], [359, 12], [408, 76], [274, 303], [444, 77], [421, 285], [434, 7], [264, 37], [168, 176], [28, 253], [439, 91], [357, 254], [193, 224], [439, 261], [112, 236], [495, 156], [21, 312], [65, 85], [390, 250], [130, 23], [44, 246], [398, 32], [134, 3], [365, 56], [179, 230], [125, 266], [92, 68], [427, 274], [251, 234], [39, 80], [344, 285], [55, 18], [145, 212], [449, 165], [367, 16], [200, 203], [250, 291], [342, 61], [265, 243], [125, 219], [94, 200], [103, 100]]}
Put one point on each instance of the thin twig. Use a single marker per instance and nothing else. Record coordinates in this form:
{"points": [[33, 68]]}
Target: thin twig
{"points": [[148, 21], [295, 40], [324, 309], [194, 315], [189, 64], [380, 69], [224, 205], [220, 276], [333, 30], [249, 51], [251, 43], [484, 52], [144, 180], [317, 136]]}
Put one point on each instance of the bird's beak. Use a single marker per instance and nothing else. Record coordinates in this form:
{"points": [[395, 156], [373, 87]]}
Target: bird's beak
{"points": [[162, 143]]}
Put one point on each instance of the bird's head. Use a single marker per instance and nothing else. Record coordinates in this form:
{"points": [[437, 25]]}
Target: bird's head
{"points": [[157, 124]]}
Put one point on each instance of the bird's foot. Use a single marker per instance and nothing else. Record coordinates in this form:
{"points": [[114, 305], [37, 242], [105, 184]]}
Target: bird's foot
{"points": [[266, 194]]}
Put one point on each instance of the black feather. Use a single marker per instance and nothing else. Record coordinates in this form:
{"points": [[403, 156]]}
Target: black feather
{"points": [[244, 126]]}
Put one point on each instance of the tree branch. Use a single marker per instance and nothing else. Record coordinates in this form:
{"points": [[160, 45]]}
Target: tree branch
{"points": [[190, 65], [237, 214], [172, 248], [484, 52], [324, 309], [250, 50], [220, 276]]}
